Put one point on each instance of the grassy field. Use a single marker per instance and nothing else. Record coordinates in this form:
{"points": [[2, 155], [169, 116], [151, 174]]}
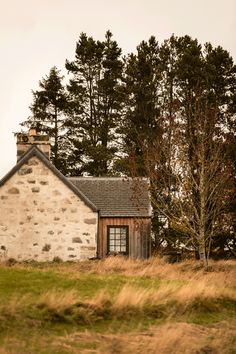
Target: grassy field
{"points": [[118, 306]]}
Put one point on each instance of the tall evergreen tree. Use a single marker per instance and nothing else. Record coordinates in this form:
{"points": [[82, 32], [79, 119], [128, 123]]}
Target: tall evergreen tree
{"points": [[48, 107], [95, 104], [142, 117]]}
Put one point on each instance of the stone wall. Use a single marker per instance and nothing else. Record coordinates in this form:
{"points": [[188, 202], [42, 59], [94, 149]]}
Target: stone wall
{"points": [[41, 218]]}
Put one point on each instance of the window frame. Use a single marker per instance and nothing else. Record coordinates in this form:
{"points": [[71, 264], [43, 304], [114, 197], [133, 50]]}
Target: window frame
{"points": [[109, 227]]}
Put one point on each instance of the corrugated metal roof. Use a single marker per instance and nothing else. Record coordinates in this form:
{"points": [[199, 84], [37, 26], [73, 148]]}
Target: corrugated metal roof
{"points": [[115, 196]]}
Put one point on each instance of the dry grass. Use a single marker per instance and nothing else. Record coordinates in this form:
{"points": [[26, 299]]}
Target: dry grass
{"points": [[197, 285], [222, 273], [12, 308], [129, 297], [167, 301], [202, 289], [185, 295], [168, 338], [193, 294], [175, 338], [55, 301]]}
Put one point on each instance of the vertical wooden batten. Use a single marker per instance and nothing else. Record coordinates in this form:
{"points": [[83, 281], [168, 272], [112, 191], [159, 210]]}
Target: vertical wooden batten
{"points": [[139, 235]]}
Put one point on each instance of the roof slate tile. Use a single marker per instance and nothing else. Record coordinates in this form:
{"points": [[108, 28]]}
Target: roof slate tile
{"points": [[115, 196]]}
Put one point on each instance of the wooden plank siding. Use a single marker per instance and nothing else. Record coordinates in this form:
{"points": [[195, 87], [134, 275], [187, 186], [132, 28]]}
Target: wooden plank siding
{"points": [[139, 235]]}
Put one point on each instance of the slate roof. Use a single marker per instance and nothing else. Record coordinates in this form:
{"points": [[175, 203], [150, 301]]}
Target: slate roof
{"points": [[116, 197], [35, 151]]}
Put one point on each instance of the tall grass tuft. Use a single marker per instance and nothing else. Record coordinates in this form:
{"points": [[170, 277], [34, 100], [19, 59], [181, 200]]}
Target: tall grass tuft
{"points": [[13, 307], [222, 273], [166, 301], [55, 301]]}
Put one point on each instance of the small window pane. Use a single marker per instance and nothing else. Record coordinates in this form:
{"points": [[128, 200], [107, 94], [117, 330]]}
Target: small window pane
{"points": [[117, 239]]}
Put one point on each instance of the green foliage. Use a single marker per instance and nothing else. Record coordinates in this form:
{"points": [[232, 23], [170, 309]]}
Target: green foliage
{"points": [[48, 107], [142, 114], [95, 104]]}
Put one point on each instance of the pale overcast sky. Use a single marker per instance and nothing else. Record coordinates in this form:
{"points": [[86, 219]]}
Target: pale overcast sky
{"points": [[38, 34]]}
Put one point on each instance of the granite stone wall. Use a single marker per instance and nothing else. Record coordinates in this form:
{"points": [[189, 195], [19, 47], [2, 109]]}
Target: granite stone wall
{"points": [[41, 218]]}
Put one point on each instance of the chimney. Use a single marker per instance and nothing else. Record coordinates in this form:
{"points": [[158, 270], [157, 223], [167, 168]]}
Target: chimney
{"points": [[24, 141]]}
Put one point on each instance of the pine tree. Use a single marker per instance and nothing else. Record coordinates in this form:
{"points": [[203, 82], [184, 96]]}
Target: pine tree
{"points": [[142, 117], [48, 107], [95, 104]]}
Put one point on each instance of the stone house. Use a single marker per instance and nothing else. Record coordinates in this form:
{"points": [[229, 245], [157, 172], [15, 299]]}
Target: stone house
{"points": [[44, 215]]}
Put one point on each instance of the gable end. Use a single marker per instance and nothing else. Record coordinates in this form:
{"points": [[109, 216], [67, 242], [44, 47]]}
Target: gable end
{"points": [[34, 151]]}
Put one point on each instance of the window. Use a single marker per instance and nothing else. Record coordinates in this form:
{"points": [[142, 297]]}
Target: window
{"points": [[118, 239]]}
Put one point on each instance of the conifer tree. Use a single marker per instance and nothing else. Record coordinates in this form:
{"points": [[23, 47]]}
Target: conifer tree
{"points": [[142, 117], [48, 107], [95, 104]]}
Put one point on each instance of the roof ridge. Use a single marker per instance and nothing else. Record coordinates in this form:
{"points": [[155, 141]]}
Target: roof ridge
{"points": [[90, 178], [102, 177]]}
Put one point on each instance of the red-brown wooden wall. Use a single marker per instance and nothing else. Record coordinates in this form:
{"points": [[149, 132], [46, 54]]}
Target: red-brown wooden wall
{"points": [[139, 235]]}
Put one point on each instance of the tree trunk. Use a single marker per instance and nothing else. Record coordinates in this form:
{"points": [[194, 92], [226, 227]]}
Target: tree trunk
{"points": [[202, 251], [202, 205]]}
